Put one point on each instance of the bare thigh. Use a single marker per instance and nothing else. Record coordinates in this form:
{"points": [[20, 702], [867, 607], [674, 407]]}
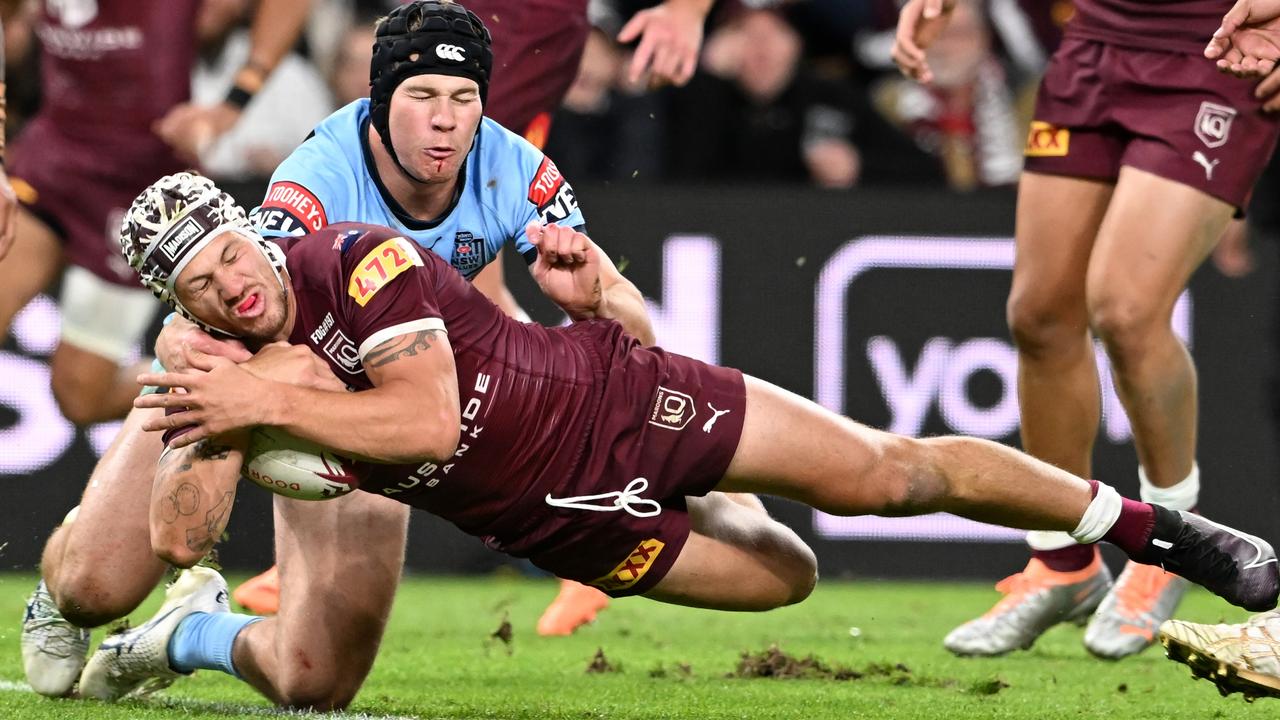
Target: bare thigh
{"points": [[737, 558], [1057, 223], [31, 266], [794, 448], [1156, 233], [340, 564], [105, 566]]}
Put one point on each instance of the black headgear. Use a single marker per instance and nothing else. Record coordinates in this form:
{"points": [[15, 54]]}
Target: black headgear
{"points": [[420, 38]]}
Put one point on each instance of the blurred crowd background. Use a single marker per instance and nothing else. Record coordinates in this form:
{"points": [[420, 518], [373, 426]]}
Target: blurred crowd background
{"points": [[787, 91]]}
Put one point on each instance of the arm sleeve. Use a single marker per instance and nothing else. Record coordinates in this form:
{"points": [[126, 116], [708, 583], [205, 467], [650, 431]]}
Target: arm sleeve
{"points": [[390, 289], [299, 198]]}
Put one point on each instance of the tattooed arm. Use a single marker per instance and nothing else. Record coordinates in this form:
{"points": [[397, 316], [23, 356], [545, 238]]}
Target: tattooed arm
{"points": [[410, 415], [191, 499]]}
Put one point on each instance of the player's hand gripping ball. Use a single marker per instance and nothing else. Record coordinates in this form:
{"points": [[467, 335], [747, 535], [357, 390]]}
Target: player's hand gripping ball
{"points": [[296, 468]]}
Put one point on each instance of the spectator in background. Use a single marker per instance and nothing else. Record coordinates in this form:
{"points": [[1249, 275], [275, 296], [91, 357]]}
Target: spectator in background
{"points": [[291, 102], [349, 73], [760, 114], [966, 117], [607, 128]]}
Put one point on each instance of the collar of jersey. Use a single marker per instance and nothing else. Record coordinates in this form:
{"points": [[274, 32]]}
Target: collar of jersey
{"points": [[397, 209]]}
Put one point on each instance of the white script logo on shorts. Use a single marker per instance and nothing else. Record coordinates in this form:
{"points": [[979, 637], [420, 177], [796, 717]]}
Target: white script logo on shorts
{"points": [[1213, 124]]}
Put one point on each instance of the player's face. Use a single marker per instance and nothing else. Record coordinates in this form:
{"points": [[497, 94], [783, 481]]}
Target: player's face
{"points": [[433, 121], [230, 284]]}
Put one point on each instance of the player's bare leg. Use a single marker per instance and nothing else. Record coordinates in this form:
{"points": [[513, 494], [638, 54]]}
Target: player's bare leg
{"points": [[577, 604], [31, 266], [1156, 233], [793, 448], [737, 558], [339, 564], [98, 566], [260, 594], [91, 388], [1058, 391]]}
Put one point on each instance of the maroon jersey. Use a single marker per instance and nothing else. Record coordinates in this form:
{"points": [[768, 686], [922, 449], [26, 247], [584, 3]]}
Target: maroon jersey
{"points": [[112, 67], [359, 285], [578, 446], [1169, 25]]}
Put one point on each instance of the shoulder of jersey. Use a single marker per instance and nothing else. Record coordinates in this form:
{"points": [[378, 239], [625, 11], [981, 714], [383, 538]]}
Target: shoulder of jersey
{"points": [[307, 188]]}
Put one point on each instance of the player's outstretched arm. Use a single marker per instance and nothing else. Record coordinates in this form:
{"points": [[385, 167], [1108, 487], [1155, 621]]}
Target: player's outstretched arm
{"points": [[190, 129], [579, 277], [410, 415], [191, 499], [919, 24], [1247, 44]]}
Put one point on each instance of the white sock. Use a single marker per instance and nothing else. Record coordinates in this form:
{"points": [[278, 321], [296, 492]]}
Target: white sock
{"points": [[1098, 518], [1182, 496], [1049, 540]]}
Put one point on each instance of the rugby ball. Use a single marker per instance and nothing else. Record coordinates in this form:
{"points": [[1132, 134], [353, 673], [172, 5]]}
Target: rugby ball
{"points": [[297, 468]]}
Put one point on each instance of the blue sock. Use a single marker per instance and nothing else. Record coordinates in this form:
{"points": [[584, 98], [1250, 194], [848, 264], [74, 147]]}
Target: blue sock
{"points": [[204, 640]]}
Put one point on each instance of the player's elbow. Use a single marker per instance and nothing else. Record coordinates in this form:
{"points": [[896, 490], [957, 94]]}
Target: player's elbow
{"points": [[428, 440], [170, 545]]}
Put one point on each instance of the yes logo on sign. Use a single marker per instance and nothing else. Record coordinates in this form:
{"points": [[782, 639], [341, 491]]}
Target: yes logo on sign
{"points": [[380, 267]]}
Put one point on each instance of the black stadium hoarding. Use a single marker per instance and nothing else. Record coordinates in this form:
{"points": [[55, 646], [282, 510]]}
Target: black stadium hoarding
{"points": [[887, 306]]}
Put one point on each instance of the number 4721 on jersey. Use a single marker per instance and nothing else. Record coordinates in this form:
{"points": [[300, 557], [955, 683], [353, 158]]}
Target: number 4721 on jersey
{"points": [[380, 267]]}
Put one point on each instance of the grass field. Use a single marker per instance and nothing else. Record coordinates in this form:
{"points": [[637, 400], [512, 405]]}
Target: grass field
{"points": [[439, 661]]}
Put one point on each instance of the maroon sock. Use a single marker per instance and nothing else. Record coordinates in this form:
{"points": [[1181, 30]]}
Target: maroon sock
{"points": [[1067, 559], [1133, 528]]}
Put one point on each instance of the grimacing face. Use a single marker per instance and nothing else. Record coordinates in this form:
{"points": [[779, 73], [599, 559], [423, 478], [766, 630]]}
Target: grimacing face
{"points": [[433, 121], [230, 284]]}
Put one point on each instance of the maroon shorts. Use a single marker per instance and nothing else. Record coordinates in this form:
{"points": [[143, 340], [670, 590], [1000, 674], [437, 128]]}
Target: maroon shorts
{"points": [[81, 191], [667, 427], [1101, 106], [537, 45]]}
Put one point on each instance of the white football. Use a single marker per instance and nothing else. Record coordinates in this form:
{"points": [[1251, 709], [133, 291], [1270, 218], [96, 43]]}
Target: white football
{"points": [[297, 468]]}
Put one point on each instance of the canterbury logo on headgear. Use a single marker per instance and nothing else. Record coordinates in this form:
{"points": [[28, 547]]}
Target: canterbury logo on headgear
{"points": [[450, 52]]}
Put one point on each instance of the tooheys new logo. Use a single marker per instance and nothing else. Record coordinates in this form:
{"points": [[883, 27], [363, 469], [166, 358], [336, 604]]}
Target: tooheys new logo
{"points": [[288, 209], [550, 193]]}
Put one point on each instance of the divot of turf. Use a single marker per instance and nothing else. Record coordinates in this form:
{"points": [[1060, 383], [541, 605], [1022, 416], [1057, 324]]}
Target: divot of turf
{"points": [[990, 686], [681, 671], [600, 664], [774, 663], [504, 631]]}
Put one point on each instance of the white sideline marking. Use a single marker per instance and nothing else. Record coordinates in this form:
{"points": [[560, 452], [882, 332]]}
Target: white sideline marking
{"points": [[187, 704]]}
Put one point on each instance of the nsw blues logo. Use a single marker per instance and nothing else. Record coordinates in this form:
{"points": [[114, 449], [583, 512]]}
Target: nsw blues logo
{"points": [[468, 253]]}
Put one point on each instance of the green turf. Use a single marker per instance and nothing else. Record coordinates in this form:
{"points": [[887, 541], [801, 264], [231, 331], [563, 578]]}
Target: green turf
{"points": [[438, 661]]}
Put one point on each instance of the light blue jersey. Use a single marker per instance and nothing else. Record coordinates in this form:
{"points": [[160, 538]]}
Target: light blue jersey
{"points": [[505, 183]]}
